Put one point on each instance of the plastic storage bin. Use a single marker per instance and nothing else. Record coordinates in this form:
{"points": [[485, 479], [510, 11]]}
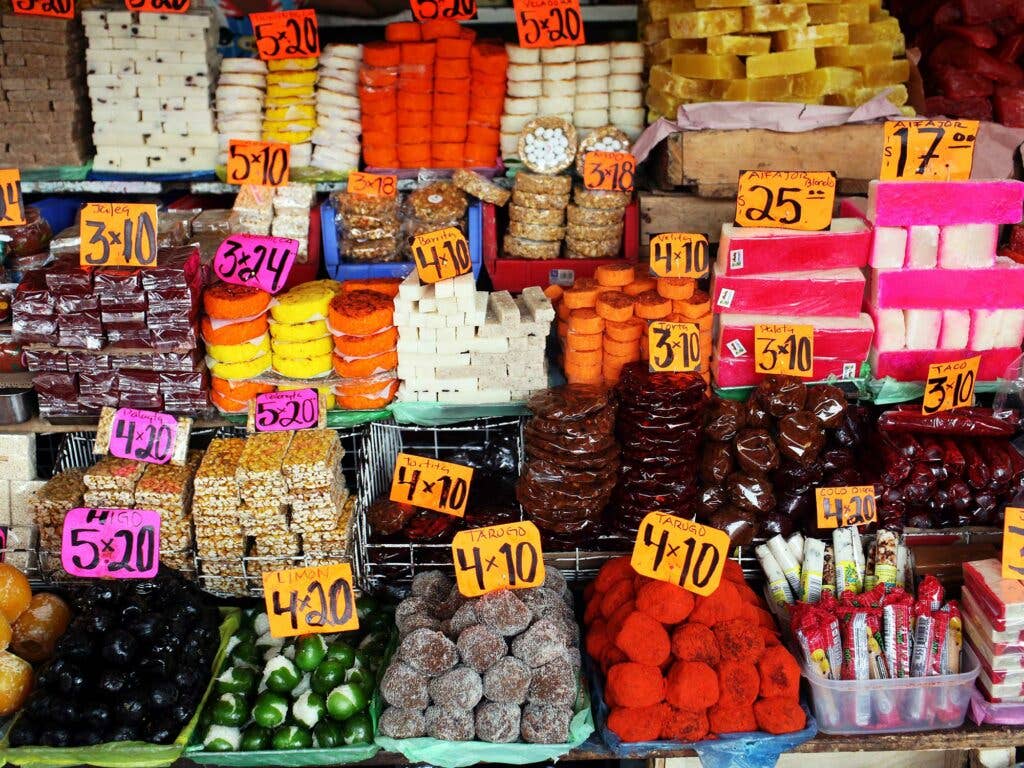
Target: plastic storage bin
{"points": [[851, 707]]}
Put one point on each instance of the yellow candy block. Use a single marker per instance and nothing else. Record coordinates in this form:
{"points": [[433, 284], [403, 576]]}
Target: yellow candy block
{"points": [[655, 31], [884, 31], [783, 63], [740, 45], [702, 4], [853, 55], [704, 66], [705, 23], [889, 73], [663, 52], [908, 111], [762, 89], [814, 2], [662, 104], [877, 12], [848, 13], [662, 79], [662, 9], [897, 94], [811, 37], [775, 18], [826, 80]]}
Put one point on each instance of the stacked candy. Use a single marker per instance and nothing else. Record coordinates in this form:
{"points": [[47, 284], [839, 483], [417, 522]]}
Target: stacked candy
{"points": [[301, 343], [365, 343], [335, 140], [217, 516], [595, 224], [290, 114], [241, 90], [994, 622], [237, 344], [489, 70], [291, 215]]}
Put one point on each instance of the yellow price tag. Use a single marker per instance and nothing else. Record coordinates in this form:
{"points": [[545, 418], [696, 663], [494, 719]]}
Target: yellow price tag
{"points": [[118, 235], [611, 171], [505, 556], [950, 385], [786, 199], [431, 483], [12, 207], [784, 348], [845, 505], [679, 254], [674, 347], [304, 600], [1013, 543], [922, 150], [679, 551]]}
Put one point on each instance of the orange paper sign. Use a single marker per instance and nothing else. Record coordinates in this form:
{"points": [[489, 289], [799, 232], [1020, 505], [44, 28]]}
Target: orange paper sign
{"points": [[57, 9], [786, 199], [498, 557], [845, 505], [286, 34], [372, 184], [118, 235], [784, 348], [610, 171], [158, 6], [679, 254], [310, 600], [674, 347], [438, 485], [457, 10], [12, 207], [950, 385], [263, 163], [919, 150], [548, 23], [441, 255], [1013, 543], [679, 551]]}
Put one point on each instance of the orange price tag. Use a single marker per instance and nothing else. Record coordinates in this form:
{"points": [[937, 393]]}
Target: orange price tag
{"points": [[610, 171], [57, 9], [1013, 543], [786, 199], [679, 551], [674, 347], [118, 235], [845, 505], [679, 254], [431, 483], [263, 163], [498, 557], [950, 385], [372, 184], [784, 348], [12, 207], [286, 34], [922, 150], [304, 600], [457, 10], [158, 6], [440, 255], [548, 23]]}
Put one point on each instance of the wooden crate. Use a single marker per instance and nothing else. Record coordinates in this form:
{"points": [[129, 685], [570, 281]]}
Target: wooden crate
{"points": [[662, 212]]}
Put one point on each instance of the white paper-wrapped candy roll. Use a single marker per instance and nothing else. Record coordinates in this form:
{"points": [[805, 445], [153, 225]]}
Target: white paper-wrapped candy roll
{"points": [[790, 567], [778, 585], [812, 570]]}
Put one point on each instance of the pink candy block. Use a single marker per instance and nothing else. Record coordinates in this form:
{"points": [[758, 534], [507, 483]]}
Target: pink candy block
{"points": [[907, 203], [853, 207], [912, 365], [968, 246], [998, 287], [739, 372], [888, 248], [956, 329], [835, 292], [890, 328], [756, 251], [847, 338], [922, 247]]}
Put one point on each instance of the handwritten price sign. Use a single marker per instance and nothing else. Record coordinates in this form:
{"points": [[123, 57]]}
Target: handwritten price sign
{"points": [[263, 163], [280, 411], [57, 9], [845, 505], [679, 254], [786, 199], [441, 255], [950, 385], [143, 435], [674, 347], [118, 235], [784, 348], [548, 23], [457, 10], [158, 6], [1013, 543], [256, 260], [286, 34], [498, 557], [610, 171], [304, 600], [438, 485], [111, 543], [12, 207], [372, 184], [920, 150], [681, 552]]}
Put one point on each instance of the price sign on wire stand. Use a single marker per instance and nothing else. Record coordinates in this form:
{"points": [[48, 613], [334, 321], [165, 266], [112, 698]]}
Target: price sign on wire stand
{"points": [[679, 254], [950, 385], [289, 410], [845, 505], [139, 435], [111, 543], [263, 163], [674, 347], [259, 261], [548, 23], [441, 255], [12, 206], [679, 551], [286, 34], [505, 556], [56, 9], [784, 348], [118, 235], [925, 150], [372, 184], [609, 171], [431, 483], [786, 199], [456, 10], [310, 600]]}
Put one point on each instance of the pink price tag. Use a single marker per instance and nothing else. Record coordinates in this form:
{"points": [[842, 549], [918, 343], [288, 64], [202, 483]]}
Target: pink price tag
{"points": [[111, 543], [143, 435], [256, 260], [278, 411]]}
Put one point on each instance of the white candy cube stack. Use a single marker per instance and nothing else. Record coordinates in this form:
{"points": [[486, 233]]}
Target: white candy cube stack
{"points": [[460, 345]]}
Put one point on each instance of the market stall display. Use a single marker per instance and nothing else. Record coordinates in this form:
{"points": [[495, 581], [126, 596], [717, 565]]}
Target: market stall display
{"points": [[993, 627]]}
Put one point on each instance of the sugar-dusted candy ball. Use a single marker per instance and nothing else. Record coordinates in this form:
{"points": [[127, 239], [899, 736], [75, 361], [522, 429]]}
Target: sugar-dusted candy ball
{"points": [[450, 724], [464, 616], [432, 585], [480, 647], [403, 686], [504, 612], [429, 652], [554, 683], [545, 724], [413, 621], [402, 723], [459, 688], [497, 723], [544, 641], [507, 682]]}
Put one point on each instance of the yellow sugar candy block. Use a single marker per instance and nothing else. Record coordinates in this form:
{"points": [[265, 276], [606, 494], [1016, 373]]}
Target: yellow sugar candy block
{"points": [[782, 63], [702, 4], [288, 137], [821, 82], [662, 9], [663, 52], [817, 36], [655, 31], [885, 31], [853, 55], [761, 89], [662, 104], [284, 65], [848, 13], [888, 73], [739, 45], [704, 66], [290, 92], [814, 2], [877, 13], [775, 18], [663, 79], [897, 94], [705, 23]]}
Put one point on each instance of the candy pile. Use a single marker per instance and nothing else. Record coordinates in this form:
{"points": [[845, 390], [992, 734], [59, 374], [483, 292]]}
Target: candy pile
{"points": [[47, 508], [235, 330], [239, 97], [336, 138], [289, 114], [536, 225], [365, 343], [368, 227], [994, 623], [301, 347], [279, 211], [684, 668], [151, 90], [501, 668]]}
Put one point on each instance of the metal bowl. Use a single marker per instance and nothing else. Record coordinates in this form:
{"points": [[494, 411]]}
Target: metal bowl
{"points": [[15, 405]]}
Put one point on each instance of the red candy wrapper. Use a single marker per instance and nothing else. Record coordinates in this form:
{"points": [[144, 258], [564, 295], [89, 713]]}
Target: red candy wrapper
{"points": [[896, 625], [930, 591]]}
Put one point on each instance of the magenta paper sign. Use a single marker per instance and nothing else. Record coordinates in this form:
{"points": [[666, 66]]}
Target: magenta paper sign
{"points": [[111, 543], [256, 260], [143, 435], [278, 411]]}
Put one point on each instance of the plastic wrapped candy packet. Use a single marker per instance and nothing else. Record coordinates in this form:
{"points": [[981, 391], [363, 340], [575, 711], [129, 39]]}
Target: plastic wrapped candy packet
{"points": [[50, 504]]}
